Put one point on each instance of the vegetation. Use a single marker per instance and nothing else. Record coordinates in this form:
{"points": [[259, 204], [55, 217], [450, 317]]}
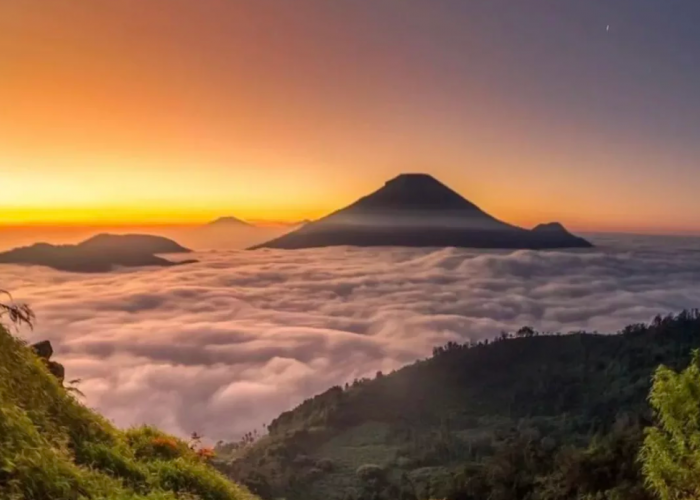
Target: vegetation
{"points": [[52, 447], [529, 416], [671, 451]]}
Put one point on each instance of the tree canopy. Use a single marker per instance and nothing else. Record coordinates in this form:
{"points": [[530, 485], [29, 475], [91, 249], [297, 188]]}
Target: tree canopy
{"points": [[671, 451]]}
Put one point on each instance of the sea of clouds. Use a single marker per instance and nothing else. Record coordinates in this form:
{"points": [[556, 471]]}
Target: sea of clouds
{"points": [[223, 346]]}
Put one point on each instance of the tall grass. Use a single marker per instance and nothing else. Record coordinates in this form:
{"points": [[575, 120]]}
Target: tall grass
{"points": [[53, 447]]}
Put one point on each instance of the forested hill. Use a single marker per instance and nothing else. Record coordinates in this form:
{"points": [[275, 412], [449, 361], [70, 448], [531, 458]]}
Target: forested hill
{"points": [[431, 428]]}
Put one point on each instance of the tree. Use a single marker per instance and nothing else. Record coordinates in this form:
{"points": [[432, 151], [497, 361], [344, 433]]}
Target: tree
{"points": [[671, 450], [18, 313], [526, 331]]}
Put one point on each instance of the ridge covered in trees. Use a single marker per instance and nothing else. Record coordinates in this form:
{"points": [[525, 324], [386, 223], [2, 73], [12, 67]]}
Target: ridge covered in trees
{"points": [[527, 416]]}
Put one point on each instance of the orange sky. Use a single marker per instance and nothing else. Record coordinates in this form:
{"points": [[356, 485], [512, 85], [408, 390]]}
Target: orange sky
{"points": [[179, 111]]}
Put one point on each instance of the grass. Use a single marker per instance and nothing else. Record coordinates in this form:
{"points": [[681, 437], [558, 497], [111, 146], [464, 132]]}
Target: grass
{"points": [[53, 447]]}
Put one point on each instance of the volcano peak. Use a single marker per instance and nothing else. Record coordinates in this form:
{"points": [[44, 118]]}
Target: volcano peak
{"points": [[417, 210], [412, 178]]}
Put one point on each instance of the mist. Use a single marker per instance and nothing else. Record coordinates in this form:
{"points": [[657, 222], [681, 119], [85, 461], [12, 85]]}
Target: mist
{"points": [[224, 345]]}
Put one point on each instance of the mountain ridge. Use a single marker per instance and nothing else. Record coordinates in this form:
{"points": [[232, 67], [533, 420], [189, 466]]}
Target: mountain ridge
{"points": [[440, 427]]}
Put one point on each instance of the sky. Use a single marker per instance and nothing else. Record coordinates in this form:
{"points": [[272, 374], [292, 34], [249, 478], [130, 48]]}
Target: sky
{"points": [[180, 111]]}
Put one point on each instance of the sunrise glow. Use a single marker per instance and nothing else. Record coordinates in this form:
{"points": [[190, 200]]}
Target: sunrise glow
{"points": [[116, 113]]}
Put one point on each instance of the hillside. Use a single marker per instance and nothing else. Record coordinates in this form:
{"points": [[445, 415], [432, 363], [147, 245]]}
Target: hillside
{"points": [[417, 210], [52, 447], [530, 413]]}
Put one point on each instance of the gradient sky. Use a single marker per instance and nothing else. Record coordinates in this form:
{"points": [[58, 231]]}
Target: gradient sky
{"points": [[157, 111]]}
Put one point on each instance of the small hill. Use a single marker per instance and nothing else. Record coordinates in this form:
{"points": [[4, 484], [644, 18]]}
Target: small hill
{"points": [[100, 253], [417, 210], [52, 447], [144, 243], [229, 221], [466, 416]]}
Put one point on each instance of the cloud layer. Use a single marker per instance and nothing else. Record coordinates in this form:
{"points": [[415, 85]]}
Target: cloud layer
{"points": [[225, 345]]}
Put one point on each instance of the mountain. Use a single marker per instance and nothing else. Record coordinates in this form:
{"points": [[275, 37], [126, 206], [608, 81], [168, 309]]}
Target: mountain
{"points": [[100, 253], [417, 210], [229, 221], [142, 243], [525, 412], [302, 222], [54, 447]]}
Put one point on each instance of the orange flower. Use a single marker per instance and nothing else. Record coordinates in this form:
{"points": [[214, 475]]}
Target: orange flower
{"points": [[206, 453], [164, 442]]}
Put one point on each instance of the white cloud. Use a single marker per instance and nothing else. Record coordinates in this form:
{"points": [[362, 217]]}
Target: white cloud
{"points": [[226, 344]]}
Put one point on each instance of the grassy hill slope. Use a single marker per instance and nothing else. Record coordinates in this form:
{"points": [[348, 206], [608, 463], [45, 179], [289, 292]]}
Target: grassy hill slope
{"points": [[438, 422], [52, 447]]}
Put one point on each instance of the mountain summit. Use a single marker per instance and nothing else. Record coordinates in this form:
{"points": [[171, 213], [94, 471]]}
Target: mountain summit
{"points": [[417, 210], [229, 221], [414, 192]]}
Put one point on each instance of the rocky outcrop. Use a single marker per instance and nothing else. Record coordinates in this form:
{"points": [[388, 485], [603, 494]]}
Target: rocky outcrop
{"points": [[44, 350]]}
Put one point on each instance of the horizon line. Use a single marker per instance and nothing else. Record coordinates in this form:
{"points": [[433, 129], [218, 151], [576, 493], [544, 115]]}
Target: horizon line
{"points": [[269, 223]]}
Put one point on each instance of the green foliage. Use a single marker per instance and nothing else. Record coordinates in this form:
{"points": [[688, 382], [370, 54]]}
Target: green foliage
{"points": [[525, 466], [528, 416], [116, 461], [187, 476], [671, 452], [151, 443], [52, 447]]}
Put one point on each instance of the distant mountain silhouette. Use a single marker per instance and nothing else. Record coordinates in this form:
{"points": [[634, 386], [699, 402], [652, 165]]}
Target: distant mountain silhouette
{"points": [[279, 223], [416, 210], [100, 253], [229, 221]]}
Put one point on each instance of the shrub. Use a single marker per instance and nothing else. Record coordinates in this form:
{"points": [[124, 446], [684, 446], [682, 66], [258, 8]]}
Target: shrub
{"points": [[150, 443], [370, 472], [184, 476], [671, 451]]}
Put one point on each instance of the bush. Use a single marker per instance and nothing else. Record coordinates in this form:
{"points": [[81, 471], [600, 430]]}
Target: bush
{"points": [[150, 443], [370, 472], [671, 451]]}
